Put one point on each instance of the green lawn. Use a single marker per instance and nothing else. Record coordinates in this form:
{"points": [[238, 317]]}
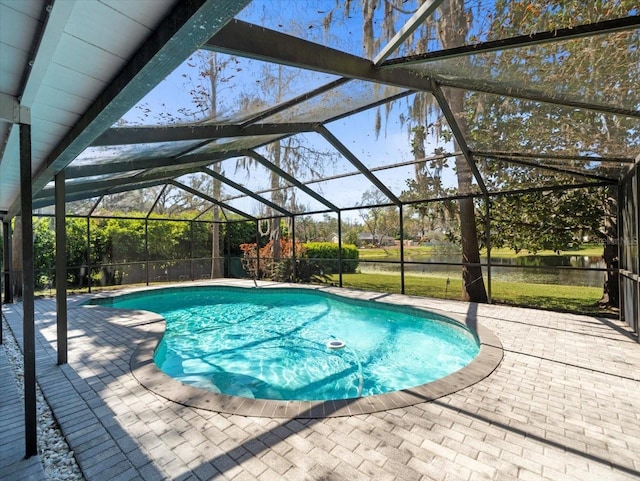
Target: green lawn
{"points": [[589, 250], [544, 296], [393, 253]]}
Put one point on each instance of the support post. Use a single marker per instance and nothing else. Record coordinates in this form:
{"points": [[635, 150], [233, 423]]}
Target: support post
{"points": [[146, 249], [191, 266], [340, 247], [257, 274], [636, 202], [61, 269], [293, 247], [401, 213], [89, 253], [227, 236], [28, 309], [7, 254]]}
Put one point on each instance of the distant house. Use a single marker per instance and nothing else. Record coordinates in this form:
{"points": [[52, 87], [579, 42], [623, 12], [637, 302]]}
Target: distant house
{"points": [[365, 238]]}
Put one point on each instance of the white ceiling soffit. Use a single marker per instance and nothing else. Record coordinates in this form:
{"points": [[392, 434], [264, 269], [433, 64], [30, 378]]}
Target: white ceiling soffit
{"points": [[19, 24], [95, 60], [79, 53]]}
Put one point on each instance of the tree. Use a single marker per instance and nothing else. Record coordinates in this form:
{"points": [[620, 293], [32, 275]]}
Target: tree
{"points": [[206, 75], [310, 230], [427, 184], [76, 251], [123, 243], [238, 232], [380, 220], [131, 201], [560, 220], [611, 284], [602, 71], [205, 91], [44, 251], [351, 237], [451, 30], [292, 154], [599, 71]]}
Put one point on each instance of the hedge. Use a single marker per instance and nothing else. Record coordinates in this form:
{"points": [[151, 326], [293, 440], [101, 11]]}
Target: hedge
{"points": [[326, 254]]}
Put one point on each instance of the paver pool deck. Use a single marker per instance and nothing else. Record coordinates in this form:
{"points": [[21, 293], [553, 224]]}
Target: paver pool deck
{"points": [[564, 404]]}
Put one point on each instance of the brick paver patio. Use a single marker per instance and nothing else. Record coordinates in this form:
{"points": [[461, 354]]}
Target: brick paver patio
{"points": [[564, 404]]}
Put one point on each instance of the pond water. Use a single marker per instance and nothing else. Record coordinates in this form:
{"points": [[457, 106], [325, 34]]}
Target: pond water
{"points": [[554, 269]]}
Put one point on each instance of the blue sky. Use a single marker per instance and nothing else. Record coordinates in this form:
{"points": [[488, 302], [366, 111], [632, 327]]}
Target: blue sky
{"points": [[243, 79]]}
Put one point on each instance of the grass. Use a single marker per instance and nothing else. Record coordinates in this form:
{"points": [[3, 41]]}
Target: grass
{"points": [[589, 250], [554, 297], [543, 296], [393, 252]]}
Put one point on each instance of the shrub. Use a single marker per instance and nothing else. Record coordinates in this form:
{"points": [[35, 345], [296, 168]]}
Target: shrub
{"points": [[306, 271], [325, 254], [284, 269]]}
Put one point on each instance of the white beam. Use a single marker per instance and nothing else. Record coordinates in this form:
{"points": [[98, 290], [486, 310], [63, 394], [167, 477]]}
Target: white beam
{"points": [[424, 12], [59, 14], [12, 112]]}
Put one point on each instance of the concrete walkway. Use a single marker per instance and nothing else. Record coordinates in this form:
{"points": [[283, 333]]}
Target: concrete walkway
{"points": [[564, 404]]}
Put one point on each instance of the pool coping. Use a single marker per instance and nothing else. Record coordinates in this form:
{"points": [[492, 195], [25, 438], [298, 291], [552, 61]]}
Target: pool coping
{"points": [[152, 378]]}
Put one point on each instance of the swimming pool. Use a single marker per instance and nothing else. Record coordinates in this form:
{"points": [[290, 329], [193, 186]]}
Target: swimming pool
{"points": [[299, 344]]}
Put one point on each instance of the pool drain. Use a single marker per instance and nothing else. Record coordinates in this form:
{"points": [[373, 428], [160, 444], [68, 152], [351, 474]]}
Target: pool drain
{"points": [[336, 344]]}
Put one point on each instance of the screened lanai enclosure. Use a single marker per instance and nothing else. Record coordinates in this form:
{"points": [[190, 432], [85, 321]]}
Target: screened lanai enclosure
{"points": [[461, 126], [163, 140], [466, 128]]}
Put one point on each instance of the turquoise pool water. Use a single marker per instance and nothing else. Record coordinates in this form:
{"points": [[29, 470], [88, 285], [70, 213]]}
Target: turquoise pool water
{"points": [[296, 344]]}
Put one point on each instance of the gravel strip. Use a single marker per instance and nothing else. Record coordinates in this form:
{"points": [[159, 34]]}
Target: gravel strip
{"points": [[58, 460]]}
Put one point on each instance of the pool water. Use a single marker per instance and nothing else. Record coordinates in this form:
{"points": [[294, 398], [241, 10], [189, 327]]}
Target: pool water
{"points": [[296, 344]]}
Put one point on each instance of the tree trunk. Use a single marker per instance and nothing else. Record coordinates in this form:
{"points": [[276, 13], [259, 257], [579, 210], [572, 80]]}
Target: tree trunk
{"points": [[452, 34], [473, 288], [277, 196], [275, 232], [611, 287], [216, 260]]}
